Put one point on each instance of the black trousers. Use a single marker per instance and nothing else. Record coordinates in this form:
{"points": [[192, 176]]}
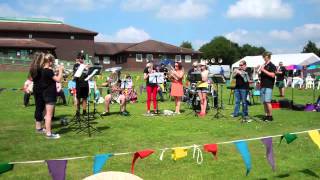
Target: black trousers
{"points": [[40, 106], [26, 99], [61, 94]]}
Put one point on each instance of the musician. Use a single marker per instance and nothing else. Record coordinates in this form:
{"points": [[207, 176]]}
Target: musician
{"points": [[115, 95], [151, 88], [195, 68], [49, 91], [241, 90], [267, 76], [280, 77], [202, 88], [82, 86], [176, 85]]}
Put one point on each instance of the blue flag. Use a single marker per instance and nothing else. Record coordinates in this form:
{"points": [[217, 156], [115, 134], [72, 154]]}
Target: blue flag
{"points": [[244, 151], [99, 161]]}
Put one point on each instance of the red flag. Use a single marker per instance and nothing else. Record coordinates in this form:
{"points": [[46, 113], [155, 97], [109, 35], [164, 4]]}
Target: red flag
{"points": [[213, 148], [140, 154]]}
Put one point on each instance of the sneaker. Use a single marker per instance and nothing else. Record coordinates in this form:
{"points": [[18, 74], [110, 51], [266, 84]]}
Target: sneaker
{"points": [[105, 114], [270, 118], [41, 130], [264, 118], [232, 115], [124, 113], [84, 113], [53, 136]]}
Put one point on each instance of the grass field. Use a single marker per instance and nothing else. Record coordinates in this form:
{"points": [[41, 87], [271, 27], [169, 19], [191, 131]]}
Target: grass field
{"points": [[19, 142]]}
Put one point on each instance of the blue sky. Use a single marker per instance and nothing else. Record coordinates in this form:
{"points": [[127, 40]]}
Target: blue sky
{"points": [[281, 26]]}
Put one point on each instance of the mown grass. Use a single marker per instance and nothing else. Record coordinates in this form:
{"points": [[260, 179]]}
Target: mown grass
{"points": [[19, 142]]}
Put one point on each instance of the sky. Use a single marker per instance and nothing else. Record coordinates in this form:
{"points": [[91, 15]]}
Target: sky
{"points": [[281, 26]]}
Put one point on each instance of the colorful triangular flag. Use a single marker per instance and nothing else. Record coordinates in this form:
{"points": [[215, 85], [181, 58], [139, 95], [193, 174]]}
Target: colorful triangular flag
{"points": [[315, 136], [4, 167], [57, 169], [99, 161], [213, 148], [288, 137], [244, 151], [179, 153], [140, 154], [269, 151]]}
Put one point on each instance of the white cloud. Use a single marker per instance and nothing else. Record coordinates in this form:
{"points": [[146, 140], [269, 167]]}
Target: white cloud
{"points": [[129, 34], [7, 11], [270, 9], [188, 9], [278, 40], [140, 5], [198, 43]]}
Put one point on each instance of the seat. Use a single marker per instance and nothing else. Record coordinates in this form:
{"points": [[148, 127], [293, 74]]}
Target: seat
{"points": [[309, 82]]}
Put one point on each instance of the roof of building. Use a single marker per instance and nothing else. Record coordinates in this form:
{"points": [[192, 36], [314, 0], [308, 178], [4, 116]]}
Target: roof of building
{"points": [[40, 25], [111, 48], [24, 43]]}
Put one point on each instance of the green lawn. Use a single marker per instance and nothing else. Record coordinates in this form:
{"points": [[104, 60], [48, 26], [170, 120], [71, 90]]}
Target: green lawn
{"points": [[19, 142]]}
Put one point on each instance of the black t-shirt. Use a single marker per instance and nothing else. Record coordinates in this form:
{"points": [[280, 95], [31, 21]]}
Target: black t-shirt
{"points": [[36, 82], [48, 85], [280, 77], [80, 81], [240, 83], [267, 81], [147, 80]]}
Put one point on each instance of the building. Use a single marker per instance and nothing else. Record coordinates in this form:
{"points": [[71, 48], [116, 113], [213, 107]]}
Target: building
{"points": [[134, 56], [21, 37]]}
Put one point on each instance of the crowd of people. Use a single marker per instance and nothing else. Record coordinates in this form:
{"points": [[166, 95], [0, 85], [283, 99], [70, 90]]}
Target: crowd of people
{"points": [[44, 83]]}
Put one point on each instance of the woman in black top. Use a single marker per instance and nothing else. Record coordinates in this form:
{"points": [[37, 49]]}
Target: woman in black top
{"points": [[48, 85], [35, 73], [151, 88]]}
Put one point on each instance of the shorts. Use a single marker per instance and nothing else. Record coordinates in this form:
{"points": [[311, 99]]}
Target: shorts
{"points": [[82, 92], [266, 95], [280, 84], [202, 90]]}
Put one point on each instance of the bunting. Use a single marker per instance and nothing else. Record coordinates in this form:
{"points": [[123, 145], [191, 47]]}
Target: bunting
{"points": [[5, 167], [140, 154], [211, 148], [57, 169], [99, 161], [288, 137], [315, 136], [269, 151], [243, 149], [179, 153]]}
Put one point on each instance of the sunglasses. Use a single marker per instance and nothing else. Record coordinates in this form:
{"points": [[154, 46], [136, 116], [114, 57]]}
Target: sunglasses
{"points": [[241, 64]]}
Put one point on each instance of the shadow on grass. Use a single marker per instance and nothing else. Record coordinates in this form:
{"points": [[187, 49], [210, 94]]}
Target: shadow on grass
{"points": [[310, 173], [283, 175]]}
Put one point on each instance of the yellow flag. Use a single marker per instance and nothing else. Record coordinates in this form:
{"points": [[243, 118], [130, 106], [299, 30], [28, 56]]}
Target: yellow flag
{"points": [[315, 136], [179, 153]]}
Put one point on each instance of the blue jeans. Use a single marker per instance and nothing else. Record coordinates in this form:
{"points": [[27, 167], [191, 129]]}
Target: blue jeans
{"points": [[241, 96]]}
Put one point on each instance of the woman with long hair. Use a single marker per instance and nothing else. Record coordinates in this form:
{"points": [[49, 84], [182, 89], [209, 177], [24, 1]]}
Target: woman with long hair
{"points": [[176, 85], [151, 88], [48, 84], [202, 88], [35, 74]]}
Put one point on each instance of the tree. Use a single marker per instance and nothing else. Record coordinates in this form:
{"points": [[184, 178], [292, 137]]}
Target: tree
{"points": [[220, 47], [249, 50], [311, 47], [186, 44]]}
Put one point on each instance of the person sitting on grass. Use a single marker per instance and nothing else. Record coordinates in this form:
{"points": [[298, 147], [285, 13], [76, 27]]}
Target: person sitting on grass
{"points": [[116, 95]]}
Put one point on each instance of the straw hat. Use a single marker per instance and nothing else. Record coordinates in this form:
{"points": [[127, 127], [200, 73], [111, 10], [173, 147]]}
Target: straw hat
{"points": [[195, 64]]}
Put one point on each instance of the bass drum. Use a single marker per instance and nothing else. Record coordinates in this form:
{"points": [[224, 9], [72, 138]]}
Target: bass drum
{"points": [[196, 105]]}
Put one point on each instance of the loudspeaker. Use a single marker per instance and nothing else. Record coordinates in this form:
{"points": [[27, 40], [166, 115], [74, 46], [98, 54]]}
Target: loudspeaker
{"points": [[298, 107], [285, 103]]}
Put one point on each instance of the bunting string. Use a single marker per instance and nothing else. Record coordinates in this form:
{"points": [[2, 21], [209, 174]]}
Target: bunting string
{"points": [[196, 149]]}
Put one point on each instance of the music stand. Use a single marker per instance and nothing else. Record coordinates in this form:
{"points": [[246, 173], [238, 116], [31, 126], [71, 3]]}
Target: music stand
{"points": [[195, 76], [219, 80]]}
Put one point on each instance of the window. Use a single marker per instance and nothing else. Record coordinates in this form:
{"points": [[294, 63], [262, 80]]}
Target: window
{"points": [[72, 37], [30, 36], [139, 58], [187, 59], [149, 57], [178, 58], [106, 60]]}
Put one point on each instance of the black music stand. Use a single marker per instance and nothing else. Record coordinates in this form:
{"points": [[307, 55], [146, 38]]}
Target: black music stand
{"points": [[219, 80]]}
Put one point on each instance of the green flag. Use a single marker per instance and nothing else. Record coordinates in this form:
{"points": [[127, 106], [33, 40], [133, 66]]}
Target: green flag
{"points": [[4, 167], [288, 137]]}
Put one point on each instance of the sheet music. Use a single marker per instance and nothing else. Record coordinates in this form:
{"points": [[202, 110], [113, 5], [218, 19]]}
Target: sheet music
{"points": [[156, 78]]}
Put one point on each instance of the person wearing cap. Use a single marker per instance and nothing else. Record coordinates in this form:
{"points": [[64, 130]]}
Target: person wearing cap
{"points": [[202, 88], [267, 75], [280, 76]]}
